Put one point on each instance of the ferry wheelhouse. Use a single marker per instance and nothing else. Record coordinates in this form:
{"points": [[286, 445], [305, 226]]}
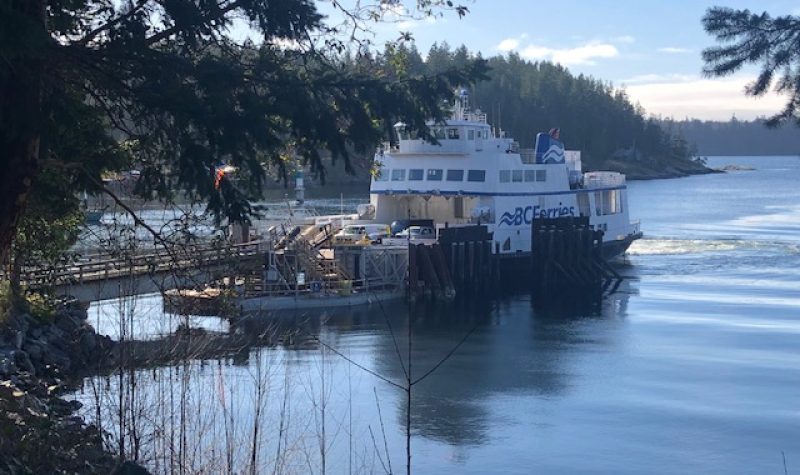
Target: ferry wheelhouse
{"points": [[477, 175]]}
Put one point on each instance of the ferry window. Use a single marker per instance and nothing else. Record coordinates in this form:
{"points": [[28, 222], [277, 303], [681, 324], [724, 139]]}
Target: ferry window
{"points": [[471, 134], [476, 175], [416, 174], [530, 175], [452, 134], [607, 202], [485, 133], [583, 204], [435, 174], [399, 174], [505, 176], [438, 132], [382, 175], [516, 176], [455, 175], [541, 175]]}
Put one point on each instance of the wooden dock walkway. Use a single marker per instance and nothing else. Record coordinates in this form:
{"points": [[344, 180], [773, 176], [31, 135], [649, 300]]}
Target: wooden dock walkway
{"points": [[103, 276]]}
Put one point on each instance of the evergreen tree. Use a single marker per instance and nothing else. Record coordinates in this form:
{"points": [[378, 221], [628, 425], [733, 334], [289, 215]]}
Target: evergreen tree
{"points": [[760, 39], [170, 82]]}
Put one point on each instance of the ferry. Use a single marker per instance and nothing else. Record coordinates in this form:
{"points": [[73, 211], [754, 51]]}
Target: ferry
{"points": [[476, 174]]}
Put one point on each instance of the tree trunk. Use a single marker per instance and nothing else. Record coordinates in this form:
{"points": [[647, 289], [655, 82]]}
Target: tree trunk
{"points": [[18, 303], [21, 122]]}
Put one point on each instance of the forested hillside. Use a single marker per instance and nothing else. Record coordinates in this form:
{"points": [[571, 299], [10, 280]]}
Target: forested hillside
{"points": [[524, 98], [737, 137]]}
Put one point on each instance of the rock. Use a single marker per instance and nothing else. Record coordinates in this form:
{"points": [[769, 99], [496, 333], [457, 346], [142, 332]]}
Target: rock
{"points": [[56, 357], [63, 407], [56, 337], [130, 468], [37, 332], [19, 337], [87, 342], [80, 314], [23, 362], [7, 365], [55, 333], [34, 350], [67, 323]]}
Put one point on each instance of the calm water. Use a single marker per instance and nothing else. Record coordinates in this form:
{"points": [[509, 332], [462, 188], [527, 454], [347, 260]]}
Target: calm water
{"points": [[692, 367]]}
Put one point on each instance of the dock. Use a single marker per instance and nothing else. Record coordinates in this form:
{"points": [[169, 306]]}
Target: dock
{"points": [[298, 267]]}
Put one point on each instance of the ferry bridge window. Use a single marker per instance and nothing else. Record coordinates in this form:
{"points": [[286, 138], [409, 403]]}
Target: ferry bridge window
{"points": [[476, 175], [541, 175], [455, 175], [530, 175], [399, 174], [416, 174], [452, 134], [485, 133], [471, 134], [382, 175], [435, 174], [516, 176], [438, 132], [607, 202], [505, 176]]}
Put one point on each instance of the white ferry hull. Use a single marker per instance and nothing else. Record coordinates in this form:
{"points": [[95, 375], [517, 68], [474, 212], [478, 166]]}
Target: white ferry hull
{"points": [[475, 175]]}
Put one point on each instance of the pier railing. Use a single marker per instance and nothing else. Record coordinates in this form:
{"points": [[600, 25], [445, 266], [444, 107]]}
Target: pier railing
{"points": [[107, 266]]}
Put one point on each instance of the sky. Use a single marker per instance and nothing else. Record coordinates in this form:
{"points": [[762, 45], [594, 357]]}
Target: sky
{"points": [[651, 48]]}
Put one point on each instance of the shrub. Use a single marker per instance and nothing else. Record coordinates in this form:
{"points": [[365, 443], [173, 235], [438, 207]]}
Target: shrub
{"points": [[41, 308]]}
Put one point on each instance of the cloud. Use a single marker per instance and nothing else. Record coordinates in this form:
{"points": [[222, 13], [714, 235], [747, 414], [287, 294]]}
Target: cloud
{"points": [[584, 54], [674, 50], [709, 99], [508, 44], [626, 39], [654, 78], [406, 25], [569, 56]]}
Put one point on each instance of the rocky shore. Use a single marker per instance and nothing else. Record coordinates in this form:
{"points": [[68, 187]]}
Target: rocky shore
{"points": [[39, 362]]}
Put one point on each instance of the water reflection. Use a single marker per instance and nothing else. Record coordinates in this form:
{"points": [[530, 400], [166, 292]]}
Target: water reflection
{"points": [[517, 345]]}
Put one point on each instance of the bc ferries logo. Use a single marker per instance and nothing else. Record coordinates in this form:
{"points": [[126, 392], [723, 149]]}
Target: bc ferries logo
{"points": [[527, 214], [554, 154], [548, 149]]}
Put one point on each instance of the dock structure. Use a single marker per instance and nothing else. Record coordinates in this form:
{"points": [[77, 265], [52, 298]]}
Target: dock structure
{"points": [[104, 275], [459, 262], [568, 253], [300, 276], [299, 266]]}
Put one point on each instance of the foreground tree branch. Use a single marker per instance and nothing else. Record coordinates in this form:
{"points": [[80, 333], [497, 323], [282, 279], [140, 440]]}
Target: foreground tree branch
{"points": [[80, 78], [750, 38]]}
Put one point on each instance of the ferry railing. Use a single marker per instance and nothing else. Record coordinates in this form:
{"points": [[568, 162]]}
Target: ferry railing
{"points": [[528, 156]]}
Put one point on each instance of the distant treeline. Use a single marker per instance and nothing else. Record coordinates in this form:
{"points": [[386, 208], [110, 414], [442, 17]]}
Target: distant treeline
{"points": [[737, 137]]}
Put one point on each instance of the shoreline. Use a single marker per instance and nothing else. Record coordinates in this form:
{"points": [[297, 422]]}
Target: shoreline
{"points": [[42, 360]]}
